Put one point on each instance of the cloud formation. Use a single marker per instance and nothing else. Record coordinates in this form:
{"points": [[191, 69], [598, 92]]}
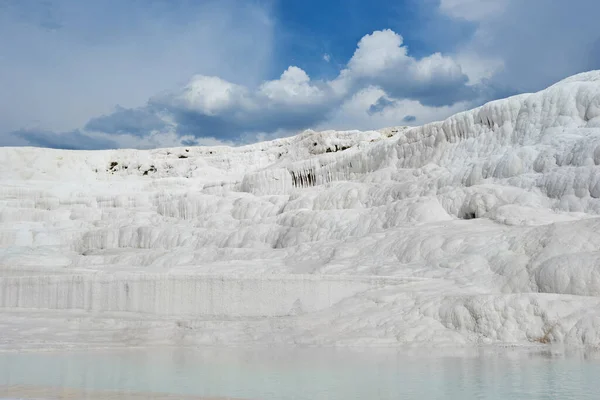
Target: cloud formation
{"points": [[527, 45], [134, 121], [213, 107], [381, 60], [513, 46], [64, 62]]}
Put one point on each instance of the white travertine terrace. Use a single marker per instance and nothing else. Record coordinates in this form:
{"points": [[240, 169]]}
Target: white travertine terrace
{"points": [[483, 228]]}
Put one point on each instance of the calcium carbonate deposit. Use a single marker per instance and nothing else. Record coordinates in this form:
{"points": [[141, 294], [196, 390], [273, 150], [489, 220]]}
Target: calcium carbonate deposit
{"points": [[481, 229]]}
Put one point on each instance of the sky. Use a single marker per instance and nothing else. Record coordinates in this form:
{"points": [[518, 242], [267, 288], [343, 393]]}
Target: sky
{"points": [[98, 74]]}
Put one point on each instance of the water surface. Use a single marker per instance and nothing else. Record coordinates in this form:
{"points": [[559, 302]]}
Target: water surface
{"points": [[311, 373]]}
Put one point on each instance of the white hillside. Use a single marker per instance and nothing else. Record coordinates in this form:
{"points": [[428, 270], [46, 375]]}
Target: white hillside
{"points": [[483, 228]]}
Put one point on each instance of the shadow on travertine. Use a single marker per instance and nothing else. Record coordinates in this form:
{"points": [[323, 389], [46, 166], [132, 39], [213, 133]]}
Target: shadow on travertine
{"points": [[41, 392]]}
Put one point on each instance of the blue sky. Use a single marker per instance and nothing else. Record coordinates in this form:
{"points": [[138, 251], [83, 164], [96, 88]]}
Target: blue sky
{"points": [[150, 73]]}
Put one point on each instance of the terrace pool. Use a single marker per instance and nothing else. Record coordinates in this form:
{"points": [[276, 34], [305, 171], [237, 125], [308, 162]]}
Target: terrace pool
{"points": [[275, 374]]}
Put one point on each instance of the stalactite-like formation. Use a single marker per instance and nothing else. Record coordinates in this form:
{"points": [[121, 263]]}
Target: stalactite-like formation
{"points": [[304, 178]]}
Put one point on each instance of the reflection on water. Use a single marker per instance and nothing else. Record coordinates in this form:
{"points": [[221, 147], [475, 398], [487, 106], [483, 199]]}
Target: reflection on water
{"points": [[313, 373], [18, 392]]}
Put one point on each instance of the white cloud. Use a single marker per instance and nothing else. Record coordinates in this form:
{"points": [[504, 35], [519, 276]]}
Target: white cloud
{"points": [[436, 67], [293, 87], [380, 66], [165, 139], [67, 53], [210, 95], [382, 60], [380, 85], [211, 106], [355, 113], [103, 53], [377, 53], [526, 45], [478, 68]]}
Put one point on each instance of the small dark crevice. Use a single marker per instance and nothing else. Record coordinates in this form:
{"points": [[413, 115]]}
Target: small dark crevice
{"points": [[336, 148], [113, 167], [469, 215], [151, 169]]}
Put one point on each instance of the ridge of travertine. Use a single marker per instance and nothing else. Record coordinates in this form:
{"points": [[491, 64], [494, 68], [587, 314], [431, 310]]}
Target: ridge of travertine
{"points": [[487, 223]]}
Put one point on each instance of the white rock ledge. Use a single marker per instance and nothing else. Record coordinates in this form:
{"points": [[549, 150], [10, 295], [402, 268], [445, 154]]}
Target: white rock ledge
{"points": [[493, 214], [178, 295]]}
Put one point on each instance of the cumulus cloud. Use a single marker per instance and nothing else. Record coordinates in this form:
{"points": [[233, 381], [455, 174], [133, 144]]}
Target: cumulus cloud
{"points": [[513, 49], [211, 106], [381, 82], [294, 88], [527, 45], [357, 111], [64, 62], [381, 60]]}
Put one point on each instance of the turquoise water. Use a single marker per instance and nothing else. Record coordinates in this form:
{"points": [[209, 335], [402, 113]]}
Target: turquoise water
{"points": [[316, 373]]}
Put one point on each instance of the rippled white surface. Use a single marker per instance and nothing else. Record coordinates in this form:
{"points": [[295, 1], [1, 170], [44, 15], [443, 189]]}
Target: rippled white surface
{"points": [[316, 374]]}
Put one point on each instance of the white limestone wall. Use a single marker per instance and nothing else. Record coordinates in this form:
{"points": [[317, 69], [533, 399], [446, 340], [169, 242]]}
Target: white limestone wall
{"points": [[181, 294]]}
